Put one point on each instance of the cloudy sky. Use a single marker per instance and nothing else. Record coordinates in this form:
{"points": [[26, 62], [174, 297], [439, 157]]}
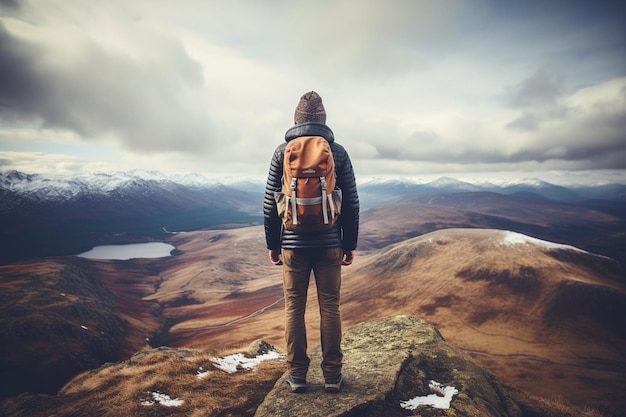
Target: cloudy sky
{"points": [[412, 88]]}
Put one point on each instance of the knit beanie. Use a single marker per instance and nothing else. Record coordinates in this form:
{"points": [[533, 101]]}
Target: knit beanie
{"points": [[310, 109]]}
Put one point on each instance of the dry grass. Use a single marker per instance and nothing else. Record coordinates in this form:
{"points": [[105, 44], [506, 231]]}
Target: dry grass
{"points": [[124, 389]]}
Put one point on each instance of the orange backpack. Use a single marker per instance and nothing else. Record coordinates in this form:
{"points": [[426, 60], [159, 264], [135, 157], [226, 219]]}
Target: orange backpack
{"points": [[309, 201]]}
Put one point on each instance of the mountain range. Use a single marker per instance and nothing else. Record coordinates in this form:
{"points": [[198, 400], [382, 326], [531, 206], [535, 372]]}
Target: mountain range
{"points": [[60, 215], [529, 282], [44, 216], [529, 186], [49, 189]]}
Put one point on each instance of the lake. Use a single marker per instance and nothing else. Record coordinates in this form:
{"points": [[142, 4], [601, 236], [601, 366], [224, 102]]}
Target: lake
{"points": [[130, 251]]}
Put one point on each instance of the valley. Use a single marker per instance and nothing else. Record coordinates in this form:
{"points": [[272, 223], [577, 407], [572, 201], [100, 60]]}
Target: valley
{"points": [[521, 310], [533, 289]]}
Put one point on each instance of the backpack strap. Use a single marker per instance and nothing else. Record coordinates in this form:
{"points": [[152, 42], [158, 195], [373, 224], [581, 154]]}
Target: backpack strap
{"points": [[324, 204], [294, 209]]}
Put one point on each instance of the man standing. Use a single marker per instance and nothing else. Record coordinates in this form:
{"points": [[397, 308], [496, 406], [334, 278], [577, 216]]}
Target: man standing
{"points": [[323, 252]]}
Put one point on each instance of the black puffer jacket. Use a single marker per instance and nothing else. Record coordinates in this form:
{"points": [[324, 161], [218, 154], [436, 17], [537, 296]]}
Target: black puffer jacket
{"points": [[346, 230]]}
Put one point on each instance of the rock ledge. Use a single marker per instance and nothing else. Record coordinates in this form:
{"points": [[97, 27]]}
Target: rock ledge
{"points": [[388, 361]]}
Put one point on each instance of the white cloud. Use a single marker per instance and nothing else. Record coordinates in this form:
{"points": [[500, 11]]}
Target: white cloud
{"points": [[409, 86]]}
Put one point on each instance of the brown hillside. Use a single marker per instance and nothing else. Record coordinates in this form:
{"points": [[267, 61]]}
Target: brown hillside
{"points": [[535, 315], [593, 229], [547, 320], [60, 317]]}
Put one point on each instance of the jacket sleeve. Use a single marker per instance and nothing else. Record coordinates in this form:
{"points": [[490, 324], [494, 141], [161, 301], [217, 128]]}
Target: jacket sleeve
{"points": [[271, 221], [346, 181]]}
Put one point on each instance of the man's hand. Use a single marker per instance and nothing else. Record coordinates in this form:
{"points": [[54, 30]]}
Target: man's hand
{"points": [[348, 257], [275, 257]]}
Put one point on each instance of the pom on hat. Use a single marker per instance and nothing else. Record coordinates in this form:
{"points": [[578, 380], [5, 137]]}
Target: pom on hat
{"points": [[310, 109]]}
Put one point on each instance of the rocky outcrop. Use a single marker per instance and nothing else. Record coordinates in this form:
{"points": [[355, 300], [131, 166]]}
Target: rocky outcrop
{"points": [[389, 364]]}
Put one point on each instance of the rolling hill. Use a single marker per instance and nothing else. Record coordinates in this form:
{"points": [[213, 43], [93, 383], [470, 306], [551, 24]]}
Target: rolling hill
{"points": [[533, 288], [536, 314]]}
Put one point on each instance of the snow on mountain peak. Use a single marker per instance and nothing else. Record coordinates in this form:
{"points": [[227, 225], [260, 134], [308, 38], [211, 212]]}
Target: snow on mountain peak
{"points": [[444, 181], [51, 188], [447, 182], [514, 238]]}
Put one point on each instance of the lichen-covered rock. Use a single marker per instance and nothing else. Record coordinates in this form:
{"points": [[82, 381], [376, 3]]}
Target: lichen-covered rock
{"points": [[390, 361]]}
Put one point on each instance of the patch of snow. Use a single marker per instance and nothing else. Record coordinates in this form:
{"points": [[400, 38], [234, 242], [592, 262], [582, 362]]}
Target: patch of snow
{"points": [[202, 373], [162, 399], [436, 401], [237, 361], [513, 238]]}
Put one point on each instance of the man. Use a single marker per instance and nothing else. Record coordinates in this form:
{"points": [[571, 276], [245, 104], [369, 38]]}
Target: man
{"points": [[321, 252]]}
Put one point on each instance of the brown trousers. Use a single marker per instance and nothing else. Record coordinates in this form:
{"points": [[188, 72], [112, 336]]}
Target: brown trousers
{"points": [[326, 266]]}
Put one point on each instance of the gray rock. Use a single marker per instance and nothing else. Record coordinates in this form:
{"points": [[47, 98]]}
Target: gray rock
{"points": [[387, 361]]}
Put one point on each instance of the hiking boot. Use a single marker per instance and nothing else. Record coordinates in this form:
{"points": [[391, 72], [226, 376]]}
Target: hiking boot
{"points": [[297, 385], [333, 385]]}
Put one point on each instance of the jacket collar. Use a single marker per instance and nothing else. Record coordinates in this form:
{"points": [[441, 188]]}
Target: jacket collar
{"points": [[310, 129]]}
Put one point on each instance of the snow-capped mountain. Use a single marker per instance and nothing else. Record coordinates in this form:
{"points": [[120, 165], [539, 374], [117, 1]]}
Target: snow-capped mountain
{"points": [[44, 215], [57, 189], [121, 192], [523, 187], [37, 210], [51, 188]]}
